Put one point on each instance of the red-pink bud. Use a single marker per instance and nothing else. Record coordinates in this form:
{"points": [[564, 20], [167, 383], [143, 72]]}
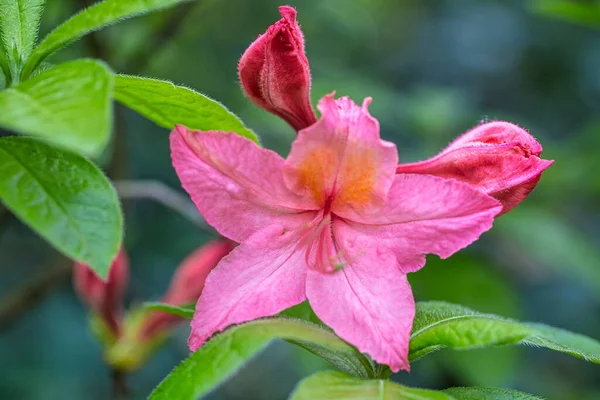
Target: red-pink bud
{"points": [[187, 284], [105, 298], [499, 158], [275, 74]]}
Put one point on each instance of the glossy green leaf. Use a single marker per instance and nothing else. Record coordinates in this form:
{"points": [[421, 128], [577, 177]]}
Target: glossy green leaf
{"points": [[167, 104], [481, 393], [180, 311], [69, 104], [91, 19], [226, 352], [334, 385], [64, 198], [19, 21], [439, 325], [577, 345]]}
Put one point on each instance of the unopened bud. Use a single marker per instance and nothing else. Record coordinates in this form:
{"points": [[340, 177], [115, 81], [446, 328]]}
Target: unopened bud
{"points": [[274, 72], [104, 298], [498, 158], [186, 285]]}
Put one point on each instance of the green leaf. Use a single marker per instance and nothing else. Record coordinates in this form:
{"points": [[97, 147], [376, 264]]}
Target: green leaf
{"points": [[557, 339], [481, 393], [180, 311], [221, 356], [334, 385], [484, 287], [91, 19], [4, 71], [70, 104], [19, 21], [302, 311], [587, 14], [167, 104], [64, 198], [439, 325]]}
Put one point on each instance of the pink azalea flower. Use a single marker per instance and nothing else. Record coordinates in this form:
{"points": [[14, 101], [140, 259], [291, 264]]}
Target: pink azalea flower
{"points": [[498, 158], [333, 223]]}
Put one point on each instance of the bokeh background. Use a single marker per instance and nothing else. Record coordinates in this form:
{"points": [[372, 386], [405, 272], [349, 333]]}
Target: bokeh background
{"points": [[434, 70]]}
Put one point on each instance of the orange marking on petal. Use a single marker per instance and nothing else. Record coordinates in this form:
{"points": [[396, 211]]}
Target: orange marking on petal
{"points": [[357, 177], [316, 171]]}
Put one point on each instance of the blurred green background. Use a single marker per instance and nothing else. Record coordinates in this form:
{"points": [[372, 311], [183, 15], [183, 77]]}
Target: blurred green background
{"points": [[434, 70]]}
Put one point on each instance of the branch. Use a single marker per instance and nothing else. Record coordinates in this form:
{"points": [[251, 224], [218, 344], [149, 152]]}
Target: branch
{"points": [[4, 214], [158, 191], [120, 390], [28, 294]]}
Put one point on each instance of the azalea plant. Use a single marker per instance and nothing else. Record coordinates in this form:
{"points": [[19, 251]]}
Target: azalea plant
{"points": [[313, 249]]}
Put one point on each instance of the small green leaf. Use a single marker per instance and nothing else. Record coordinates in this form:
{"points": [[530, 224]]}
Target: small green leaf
{"points": [[334, 385], [70, 104], [438, 325], [19, 21], [91, 19], [226, 352], [481, 393], [167, 104], [64, 198], [180, 311]]}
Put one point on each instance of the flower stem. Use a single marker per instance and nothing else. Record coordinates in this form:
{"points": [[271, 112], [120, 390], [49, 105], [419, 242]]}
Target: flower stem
{"points": [[120, 391]]}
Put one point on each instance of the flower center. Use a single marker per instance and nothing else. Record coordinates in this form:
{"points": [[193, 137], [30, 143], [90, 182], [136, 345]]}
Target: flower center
{"points": [[322, 252]]}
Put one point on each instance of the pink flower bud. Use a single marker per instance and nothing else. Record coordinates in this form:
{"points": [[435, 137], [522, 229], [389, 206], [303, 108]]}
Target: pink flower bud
{"points": [[105, 298], [275, 74], [499, 158], [187, 284]]}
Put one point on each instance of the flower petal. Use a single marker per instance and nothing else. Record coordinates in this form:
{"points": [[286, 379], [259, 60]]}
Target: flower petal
{"points": [[236, 185], [497, 132], [341, 156], [426, 214], [369, 302], [259, 278]]}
